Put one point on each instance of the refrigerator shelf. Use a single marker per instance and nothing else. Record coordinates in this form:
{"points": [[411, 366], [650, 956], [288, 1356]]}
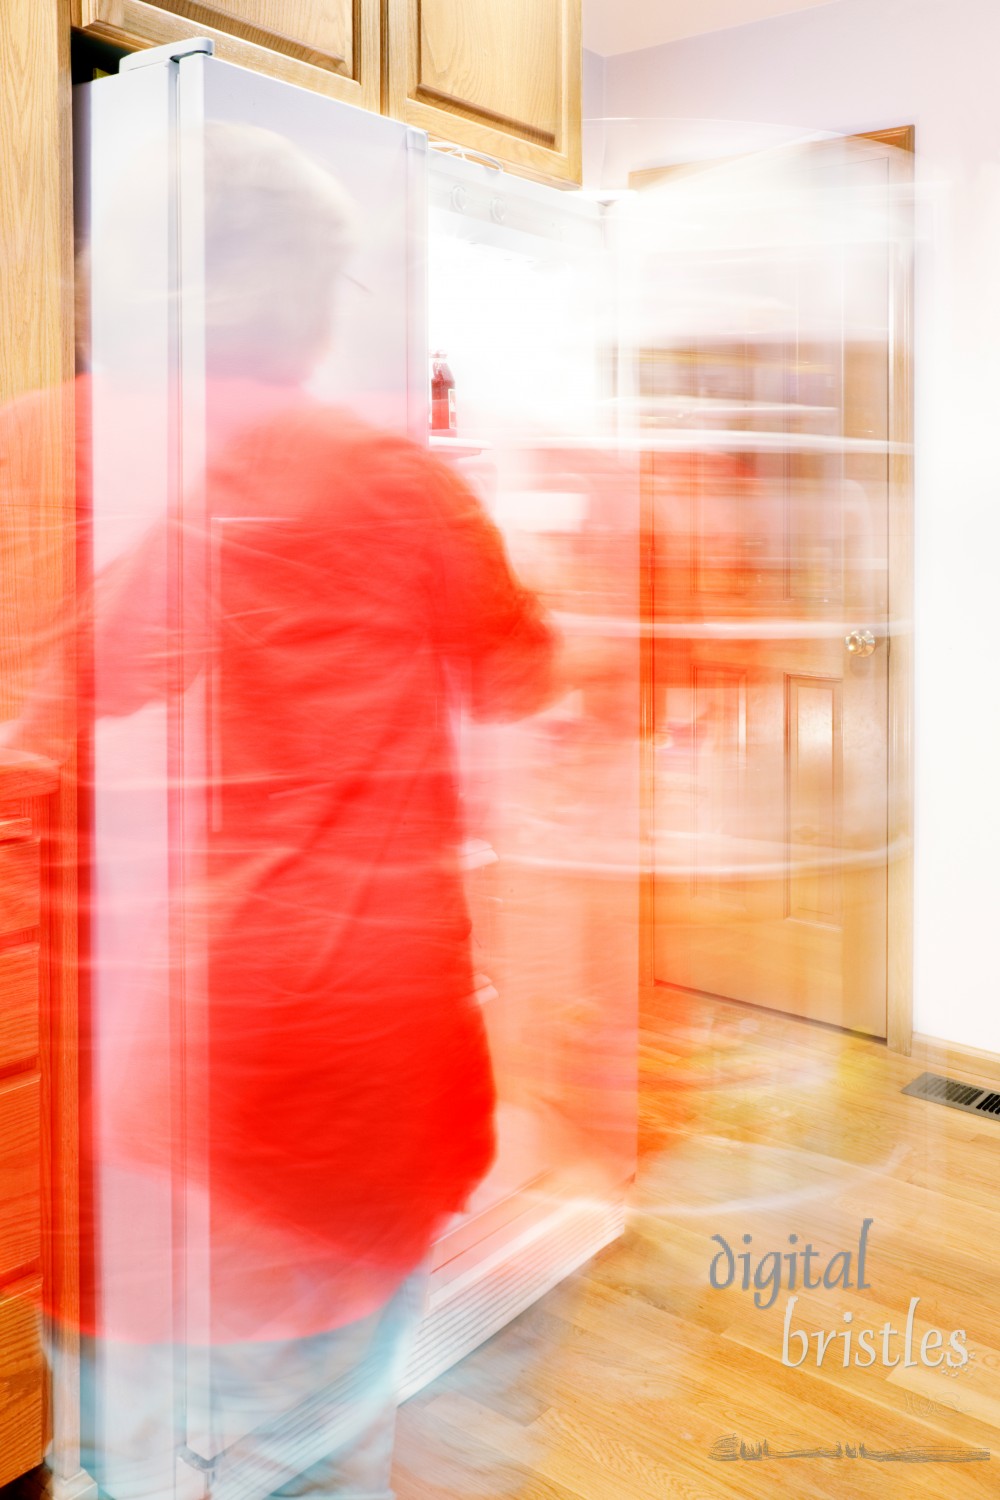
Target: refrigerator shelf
{"points": [[459, 447]]}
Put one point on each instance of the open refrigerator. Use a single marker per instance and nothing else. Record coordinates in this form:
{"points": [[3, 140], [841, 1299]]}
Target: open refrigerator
{"points": [[521, 302], [513, 280]]}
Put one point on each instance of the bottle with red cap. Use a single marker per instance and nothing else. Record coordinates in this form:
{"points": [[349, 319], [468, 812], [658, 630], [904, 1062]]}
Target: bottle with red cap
{"points": [[442, 395]]}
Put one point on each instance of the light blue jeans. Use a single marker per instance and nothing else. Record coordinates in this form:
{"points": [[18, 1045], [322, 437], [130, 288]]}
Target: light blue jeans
{"points": [[290, 1418]]}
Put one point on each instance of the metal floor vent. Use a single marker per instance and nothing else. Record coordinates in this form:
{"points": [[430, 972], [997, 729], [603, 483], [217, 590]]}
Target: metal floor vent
{"points": [[965, 1096]]}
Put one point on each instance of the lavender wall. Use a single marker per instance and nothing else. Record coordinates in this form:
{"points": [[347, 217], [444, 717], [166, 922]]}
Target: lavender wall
{"points": [[594, 110], [859, 65]]}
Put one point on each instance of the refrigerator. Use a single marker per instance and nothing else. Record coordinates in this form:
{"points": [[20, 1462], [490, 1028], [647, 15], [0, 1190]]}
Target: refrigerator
{"points": [[513, 282]]}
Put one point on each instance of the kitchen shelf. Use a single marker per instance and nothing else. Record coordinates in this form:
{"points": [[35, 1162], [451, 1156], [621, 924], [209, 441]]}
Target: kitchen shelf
{"points": [[713, 440], [683, 440], [752, 628], [459, 447]]}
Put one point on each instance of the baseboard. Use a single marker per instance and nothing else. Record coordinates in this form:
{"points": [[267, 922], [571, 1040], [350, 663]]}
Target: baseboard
{"points": [[952, 1057], [78, 1486], [465, 1312]]}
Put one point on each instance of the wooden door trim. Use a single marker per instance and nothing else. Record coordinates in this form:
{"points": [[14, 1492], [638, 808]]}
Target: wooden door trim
{"points": [[899, 906], [899, 913], [647, 726]]}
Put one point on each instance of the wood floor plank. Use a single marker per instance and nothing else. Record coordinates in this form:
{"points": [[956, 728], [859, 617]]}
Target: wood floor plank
{"points": [[620, 1381]]}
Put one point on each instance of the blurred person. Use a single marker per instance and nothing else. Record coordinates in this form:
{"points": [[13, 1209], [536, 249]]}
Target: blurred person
{"points": [[344, 595]]}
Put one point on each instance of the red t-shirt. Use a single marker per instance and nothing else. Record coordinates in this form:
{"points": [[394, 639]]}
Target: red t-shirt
{"points": [[340, 597]]}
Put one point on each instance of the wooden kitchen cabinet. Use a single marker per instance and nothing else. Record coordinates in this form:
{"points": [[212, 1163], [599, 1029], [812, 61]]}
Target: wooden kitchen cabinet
{"points": [[331, 46], [497, 77], [23, 1066]]}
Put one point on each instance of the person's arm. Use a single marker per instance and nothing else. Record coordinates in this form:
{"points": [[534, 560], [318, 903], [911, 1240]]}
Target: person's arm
{"points": [[489, 626], [135, 657]]}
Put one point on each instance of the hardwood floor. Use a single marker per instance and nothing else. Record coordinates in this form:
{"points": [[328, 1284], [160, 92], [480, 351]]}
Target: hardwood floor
{"points": [[619, 1383]]}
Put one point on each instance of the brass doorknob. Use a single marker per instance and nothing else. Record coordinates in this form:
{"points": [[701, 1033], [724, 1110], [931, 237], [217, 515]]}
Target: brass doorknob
{"points": [[860, 642]]}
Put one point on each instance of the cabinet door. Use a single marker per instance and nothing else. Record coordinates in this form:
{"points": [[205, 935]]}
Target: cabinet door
{"points": [[22, 1370], [331, 46], [500, 79]]}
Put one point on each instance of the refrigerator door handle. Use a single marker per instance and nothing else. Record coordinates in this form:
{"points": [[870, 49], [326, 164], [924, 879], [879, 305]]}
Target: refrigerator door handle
{"points": [[148, 57]]}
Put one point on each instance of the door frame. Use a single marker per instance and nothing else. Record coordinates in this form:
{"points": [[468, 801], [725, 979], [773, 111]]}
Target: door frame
{"points": [[37, 359], [899, 721]]}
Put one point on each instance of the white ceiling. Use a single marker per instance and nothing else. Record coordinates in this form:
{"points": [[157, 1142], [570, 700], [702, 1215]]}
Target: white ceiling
{"points": [[611, 26]]}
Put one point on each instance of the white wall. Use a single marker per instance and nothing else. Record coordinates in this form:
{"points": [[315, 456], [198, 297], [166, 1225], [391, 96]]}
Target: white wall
{"points": [[850, 66], [594, 76], [610, 27]]}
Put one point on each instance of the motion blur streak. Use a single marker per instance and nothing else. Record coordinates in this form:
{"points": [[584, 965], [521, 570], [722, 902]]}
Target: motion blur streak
{"points": [[768, 315], [360, 729]]}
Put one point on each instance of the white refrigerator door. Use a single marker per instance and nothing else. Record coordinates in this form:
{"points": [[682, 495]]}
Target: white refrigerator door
{"points": [[521, 303], [158, 316]]}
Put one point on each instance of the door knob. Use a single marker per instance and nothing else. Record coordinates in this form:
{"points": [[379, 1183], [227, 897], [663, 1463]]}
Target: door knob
{"points": [[860, 642]]}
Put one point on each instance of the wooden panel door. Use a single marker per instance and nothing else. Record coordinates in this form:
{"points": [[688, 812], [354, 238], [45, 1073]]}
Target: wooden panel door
{"points": [[331, 46], [501, 80], [770, 600]]}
